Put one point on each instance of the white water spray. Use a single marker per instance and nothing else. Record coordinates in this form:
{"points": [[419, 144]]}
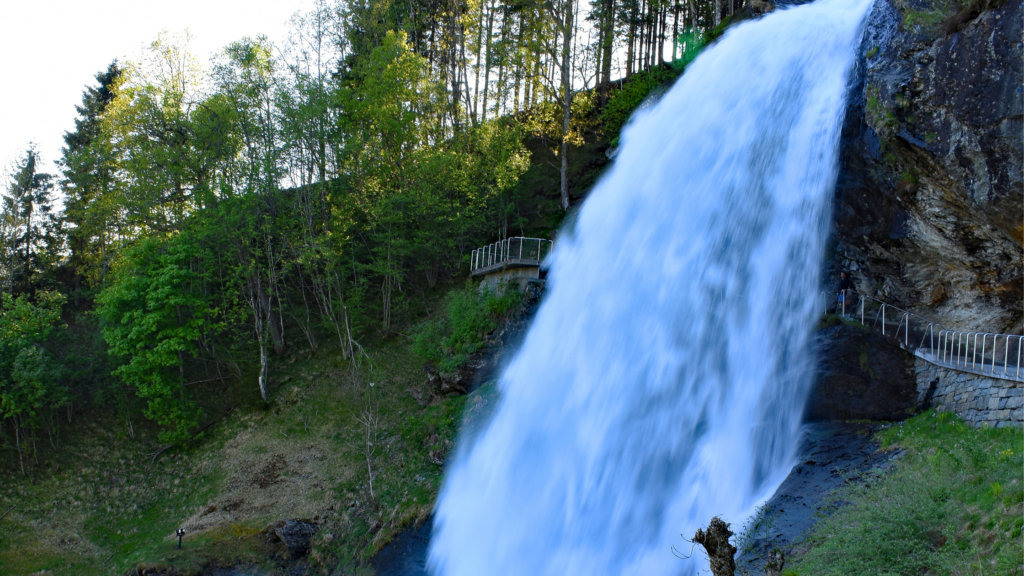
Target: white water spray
{"points": [[664, 377]]}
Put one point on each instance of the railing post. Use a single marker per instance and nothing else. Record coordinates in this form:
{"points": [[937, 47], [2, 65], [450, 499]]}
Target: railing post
{"points": [[844, 303], [520, 248], [862, 311], [883, 318], [906, 330], [984, 337], [995, 342], [1018, 356], [1006, 355]]}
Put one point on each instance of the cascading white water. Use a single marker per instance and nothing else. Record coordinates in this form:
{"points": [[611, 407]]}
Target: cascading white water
{"points": [[663, 379]]}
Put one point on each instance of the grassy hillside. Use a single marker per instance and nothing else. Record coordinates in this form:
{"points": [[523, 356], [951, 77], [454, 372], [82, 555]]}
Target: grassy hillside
{"points": [[104, 506], [954, 505]]}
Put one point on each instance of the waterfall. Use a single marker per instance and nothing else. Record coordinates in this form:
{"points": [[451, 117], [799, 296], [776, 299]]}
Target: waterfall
{"points": [[663, 379]]}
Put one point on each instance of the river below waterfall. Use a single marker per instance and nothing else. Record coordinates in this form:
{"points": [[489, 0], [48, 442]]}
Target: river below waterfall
{"points": [[831, 453]]}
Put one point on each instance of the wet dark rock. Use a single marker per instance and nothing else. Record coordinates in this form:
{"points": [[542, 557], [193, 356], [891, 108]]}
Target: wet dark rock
{"points": [[295, 534], [862, 375], [831, 454], [928, 203], [406, 555], [462, 379]]}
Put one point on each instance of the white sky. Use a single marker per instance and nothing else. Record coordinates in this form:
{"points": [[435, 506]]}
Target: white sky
{"points": [[50, 50]]}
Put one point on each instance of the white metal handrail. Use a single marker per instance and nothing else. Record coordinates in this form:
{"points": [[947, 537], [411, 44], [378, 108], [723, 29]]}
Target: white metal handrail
{"points": [[516, 248], [948, 348], [959, 349]]}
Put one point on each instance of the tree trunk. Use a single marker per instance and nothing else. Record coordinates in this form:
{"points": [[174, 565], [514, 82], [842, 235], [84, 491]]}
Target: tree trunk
{"points": [[275, 333], [567, 95], [487, 61], [608, 42], [631, 39], [264, 370], [476, 66], [675, 28], [17, 444]]}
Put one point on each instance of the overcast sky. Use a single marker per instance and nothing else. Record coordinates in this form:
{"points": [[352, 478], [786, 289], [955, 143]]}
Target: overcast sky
{"points": [[51, 49]]}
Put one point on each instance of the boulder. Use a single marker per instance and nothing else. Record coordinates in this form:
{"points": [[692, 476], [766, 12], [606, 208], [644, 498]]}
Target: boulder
{"points": [[296, 534]]}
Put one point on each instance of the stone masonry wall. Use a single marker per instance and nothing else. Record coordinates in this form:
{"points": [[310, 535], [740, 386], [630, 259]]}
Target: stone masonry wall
{"points": [[977, 399]]}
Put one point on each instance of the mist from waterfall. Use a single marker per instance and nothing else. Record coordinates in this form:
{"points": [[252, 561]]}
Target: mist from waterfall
{"points": [[664, 377]]}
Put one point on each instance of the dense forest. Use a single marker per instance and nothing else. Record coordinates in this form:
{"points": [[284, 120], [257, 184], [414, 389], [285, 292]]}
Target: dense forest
{"points": [[207, 217]]}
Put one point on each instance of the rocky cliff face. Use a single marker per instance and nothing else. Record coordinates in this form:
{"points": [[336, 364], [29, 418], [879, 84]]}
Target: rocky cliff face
{"points": [[862, 375], [928, 208]]}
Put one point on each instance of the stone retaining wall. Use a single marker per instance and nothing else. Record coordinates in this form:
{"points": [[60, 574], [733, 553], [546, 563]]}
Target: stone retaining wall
{"points": [[977, 399]]}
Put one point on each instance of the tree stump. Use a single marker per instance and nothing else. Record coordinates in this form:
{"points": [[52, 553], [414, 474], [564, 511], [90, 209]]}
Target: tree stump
{"points": [[716, 543]]}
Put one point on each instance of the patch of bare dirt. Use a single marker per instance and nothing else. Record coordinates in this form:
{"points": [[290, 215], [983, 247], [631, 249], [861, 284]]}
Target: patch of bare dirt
{"points": [[270, 477]]}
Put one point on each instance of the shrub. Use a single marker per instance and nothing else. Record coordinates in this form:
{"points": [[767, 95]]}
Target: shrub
{"points": [[469, 315]]}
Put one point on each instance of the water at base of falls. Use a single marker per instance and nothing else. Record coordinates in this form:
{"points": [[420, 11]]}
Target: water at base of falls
{"points": [[663, 379]]}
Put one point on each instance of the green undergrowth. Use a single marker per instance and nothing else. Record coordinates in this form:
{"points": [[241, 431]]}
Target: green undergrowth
{"points": [[466, 317], [99, 504], [953, 505], [641, 85], [943, 16], [829, 320]]}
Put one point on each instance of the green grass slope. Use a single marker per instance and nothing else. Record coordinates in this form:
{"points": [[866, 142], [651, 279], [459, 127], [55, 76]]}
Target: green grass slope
{"points": [[102, 506], [952, 506]]}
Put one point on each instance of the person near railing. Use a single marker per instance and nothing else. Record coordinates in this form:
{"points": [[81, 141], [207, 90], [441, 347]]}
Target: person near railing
{"points": [[841, 289]]}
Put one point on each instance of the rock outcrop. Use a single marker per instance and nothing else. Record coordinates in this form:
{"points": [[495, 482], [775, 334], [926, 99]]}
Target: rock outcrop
{"points": [[484, 365], [862, 375], [928, 207], [295, 534]]}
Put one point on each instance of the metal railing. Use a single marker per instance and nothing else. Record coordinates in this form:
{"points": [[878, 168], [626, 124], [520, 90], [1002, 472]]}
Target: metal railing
{"points": [[961, 350], [985, 353], [518, 250]]}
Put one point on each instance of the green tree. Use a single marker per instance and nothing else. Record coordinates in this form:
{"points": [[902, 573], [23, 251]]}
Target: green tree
{"points": [[88, 171], [29, 378], [28, 215], [154, 314]]}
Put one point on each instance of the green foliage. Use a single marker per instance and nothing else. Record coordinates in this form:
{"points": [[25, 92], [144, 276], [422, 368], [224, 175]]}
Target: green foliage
{"points": [[947, 17], [634, 92], [639, 86], [154, 315], [758, 533], [929, 20], [879, 117], [469, 315], [950, 507], [30, 379], [31, 240]]}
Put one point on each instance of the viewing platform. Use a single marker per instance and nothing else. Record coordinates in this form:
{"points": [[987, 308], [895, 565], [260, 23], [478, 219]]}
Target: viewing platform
{"points": [[512, 259]]}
